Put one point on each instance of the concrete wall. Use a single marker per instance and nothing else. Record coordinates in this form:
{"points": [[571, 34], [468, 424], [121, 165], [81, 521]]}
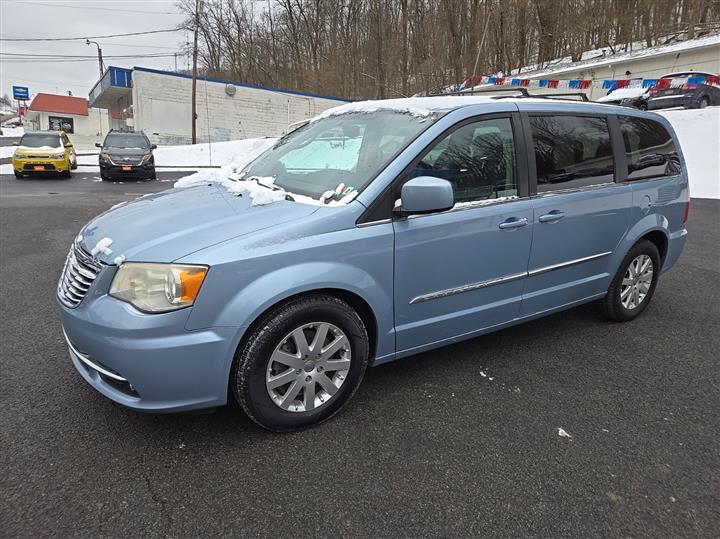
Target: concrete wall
{"points": [[162, 109], [653, 67]]}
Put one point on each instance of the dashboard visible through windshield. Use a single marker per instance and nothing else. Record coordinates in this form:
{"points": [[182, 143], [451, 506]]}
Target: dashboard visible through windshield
{"points": [[341, 153]]}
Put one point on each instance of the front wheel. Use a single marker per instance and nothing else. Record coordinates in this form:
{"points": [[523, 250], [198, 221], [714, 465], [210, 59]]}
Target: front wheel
{"points": [[634, 283], [301, 363]]}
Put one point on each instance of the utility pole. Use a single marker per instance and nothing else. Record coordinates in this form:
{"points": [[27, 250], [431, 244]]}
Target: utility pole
{"points": [[100, 60], [198, 4], [480, 46]]}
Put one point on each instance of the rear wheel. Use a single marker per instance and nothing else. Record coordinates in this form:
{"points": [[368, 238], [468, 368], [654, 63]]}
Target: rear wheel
{"points": [[301, 363], [704, 102], [19, 175], [634, 283], [104, 177]]}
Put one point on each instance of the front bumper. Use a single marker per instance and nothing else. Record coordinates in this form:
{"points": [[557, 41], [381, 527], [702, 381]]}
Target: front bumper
{"points": [[136, 171], [146, 362], [51, 166]]}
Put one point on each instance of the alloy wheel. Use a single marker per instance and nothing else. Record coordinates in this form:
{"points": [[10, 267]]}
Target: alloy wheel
{"points": [[636, 282], [308, 367]]}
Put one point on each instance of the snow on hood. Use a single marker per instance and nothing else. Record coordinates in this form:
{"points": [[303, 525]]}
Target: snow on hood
{"points": [[41, 148], [622, 93], [403, 106]]}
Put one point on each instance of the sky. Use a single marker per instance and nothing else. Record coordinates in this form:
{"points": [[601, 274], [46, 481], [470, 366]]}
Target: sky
{"points": [[82, 18]]}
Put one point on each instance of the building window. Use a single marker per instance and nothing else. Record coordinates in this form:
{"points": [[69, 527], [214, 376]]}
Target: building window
{"points": [[58, 123]]}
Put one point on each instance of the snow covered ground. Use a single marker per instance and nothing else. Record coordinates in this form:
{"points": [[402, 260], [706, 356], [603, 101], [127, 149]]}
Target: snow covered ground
{"points": [[13, 131], [699, 134]]}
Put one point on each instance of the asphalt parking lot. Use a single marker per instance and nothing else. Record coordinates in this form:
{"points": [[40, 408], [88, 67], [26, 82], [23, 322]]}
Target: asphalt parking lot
{"points": [[461, 441]]}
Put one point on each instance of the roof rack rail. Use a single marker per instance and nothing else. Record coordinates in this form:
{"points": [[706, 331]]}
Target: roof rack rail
{"points": [[520, 90], [489, 90]]}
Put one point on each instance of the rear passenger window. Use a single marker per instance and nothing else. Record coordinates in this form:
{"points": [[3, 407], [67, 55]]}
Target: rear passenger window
{"points": [[649, 149], [571, 152], [478, 159]]}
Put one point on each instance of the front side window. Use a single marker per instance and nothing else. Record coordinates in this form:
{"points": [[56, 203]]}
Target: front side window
{"points": [[478, 159], [340, 153], [649, 149], [571, 152]]}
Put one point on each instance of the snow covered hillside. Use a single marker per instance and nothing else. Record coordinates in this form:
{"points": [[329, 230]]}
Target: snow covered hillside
{"points": [[699, 134]]}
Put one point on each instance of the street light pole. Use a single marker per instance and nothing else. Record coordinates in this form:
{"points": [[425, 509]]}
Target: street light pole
{"points": [[100, 60]]}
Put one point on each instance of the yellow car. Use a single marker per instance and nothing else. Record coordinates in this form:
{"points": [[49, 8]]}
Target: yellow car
{"points": [[44, 152]]}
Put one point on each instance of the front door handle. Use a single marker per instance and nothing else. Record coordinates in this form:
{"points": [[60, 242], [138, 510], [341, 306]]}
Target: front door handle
{"points": [[513, 222], [551, 217]]}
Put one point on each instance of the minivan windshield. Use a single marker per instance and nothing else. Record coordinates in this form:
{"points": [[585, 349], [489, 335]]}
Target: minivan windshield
{"points": [[40, 140], [125, 140], [340, 153]]}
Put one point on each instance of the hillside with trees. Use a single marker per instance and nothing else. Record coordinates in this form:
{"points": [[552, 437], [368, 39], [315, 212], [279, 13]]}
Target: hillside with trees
{"points": [[389, 48]]}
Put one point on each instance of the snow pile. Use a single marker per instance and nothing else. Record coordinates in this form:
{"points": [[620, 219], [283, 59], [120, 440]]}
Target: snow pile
{"points": [[9, 131], [699, 134], [403, 106]]}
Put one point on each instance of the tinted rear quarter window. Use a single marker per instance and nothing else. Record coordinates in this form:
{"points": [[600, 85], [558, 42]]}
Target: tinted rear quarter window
{"points": [[649, 149], [571, 152]]}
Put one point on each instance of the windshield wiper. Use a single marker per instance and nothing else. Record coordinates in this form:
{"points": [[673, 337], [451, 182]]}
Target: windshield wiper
{"points": [[257, 180]]}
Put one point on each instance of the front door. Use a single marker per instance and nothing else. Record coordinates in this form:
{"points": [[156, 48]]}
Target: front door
{"points": [[581, 215], [463, 270]]}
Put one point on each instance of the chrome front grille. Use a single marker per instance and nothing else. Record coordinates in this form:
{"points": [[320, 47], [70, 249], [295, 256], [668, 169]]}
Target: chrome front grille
{"points": [[78, 275]]}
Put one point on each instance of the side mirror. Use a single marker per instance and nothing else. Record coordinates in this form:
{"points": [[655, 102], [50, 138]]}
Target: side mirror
{"points": [[69, 145], [425, 194], [153, 146], [98, 145]]}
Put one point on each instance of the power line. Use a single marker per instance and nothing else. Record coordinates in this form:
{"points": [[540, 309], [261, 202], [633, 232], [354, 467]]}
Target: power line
{"points": [[99, 8], [38, 55], [88, 37]]}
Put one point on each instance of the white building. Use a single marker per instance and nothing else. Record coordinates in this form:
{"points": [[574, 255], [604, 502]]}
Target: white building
{"points": [[159, 103], [700, 54], [67, 113]]}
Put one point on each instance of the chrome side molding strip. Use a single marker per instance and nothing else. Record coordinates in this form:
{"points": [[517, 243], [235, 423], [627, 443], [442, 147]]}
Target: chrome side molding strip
{"points": [[500, 280], [466, 288], [566, 264], [85, 359]]}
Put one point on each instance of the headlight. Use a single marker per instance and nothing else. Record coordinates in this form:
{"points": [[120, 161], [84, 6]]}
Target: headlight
{"points": [[58, 156], [104, 156], [158, 288], [145, 158]]}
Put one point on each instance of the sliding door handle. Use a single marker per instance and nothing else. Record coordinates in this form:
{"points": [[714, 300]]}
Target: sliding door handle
{"points": [[551, 217], [513, 222]]}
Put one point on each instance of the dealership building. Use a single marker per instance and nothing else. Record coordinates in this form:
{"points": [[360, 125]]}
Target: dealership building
{"points": [[66, 113], [159, 103]]}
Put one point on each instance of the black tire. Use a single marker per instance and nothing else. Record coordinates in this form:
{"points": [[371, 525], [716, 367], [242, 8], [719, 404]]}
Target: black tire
{"points": [[67, 174], [612, 305], [704, 102], [104, 177], [18, 175], [252, 359]]}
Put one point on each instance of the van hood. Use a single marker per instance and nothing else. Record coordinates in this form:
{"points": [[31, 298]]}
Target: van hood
{"points": [[169, 225]]}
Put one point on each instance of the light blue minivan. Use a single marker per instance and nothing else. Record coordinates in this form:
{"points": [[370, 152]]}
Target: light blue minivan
{"points": [[376, 231]]}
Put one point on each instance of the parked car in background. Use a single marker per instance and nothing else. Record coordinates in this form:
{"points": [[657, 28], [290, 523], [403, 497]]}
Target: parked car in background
{"points": [[126, 155], [44, 152], [374, 232], [699, 91], [627, 97]]}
